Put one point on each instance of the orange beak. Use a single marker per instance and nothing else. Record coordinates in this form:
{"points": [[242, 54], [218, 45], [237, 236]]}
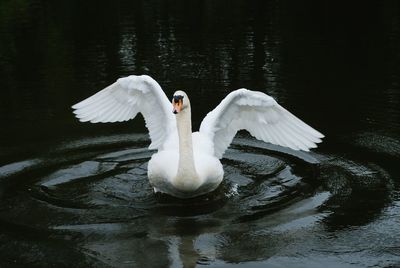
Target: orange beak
{"points": [[177, 106]]}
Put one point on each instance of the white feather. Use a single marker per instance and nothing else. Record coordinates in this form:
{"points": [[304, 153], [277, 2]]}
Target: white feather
{"points": [[262, 116], [122, 100]]}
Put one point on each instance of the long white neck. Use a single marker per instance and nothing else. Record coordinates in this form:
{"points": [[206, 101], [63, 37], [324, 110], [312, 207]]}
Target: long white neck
{"points": [[187, 177]]}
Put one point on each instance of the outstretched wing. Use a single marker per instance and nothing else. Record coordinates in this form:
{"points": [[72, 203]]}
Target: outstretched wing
{"points": [[262, 116], [124, 99]]}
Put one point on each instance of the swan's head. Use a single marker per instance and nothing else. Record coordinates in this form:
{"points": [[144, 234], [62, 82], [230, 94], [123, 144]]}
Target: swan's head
{"points": [[180, 101]]}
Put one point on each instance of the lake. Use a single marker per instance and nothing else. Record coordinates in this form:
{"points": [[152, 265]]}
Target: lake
{"points": [[76, 194]]}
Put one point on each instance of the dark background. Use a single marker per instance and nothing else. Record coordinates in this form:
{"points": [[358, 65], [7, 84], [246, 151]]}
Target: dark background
{"points": [[336, 65]]}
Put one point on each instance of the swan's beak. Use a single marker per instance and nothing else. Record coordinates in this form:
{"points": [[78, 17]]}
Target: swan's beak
{"points": [[177, 104]]}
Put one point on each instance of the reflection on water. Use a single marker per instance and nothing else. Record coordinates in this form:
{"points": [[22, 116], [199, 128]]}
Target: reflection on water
{"points": [[74, 193], [102, 207]]}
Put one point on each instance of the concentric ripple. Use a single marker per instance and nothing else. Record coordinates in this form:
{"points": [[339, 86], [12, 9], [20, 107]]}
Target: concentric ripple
{"points": [[93, 198]]}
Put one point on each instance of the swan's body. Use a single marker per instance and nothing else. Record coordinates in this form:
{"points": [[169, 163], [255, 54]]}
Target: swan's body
{"points": [[187, 164]]}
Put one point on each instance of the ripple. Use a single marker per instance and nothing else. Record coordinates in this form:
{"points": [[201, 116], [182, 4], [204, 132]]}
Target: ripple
{"points": [[95, 194]]}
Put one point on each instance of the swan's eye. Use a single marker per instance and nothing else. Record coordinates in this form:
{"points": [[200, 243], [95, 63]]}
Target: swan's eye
{"points": [[178, 98], [177, 103]]}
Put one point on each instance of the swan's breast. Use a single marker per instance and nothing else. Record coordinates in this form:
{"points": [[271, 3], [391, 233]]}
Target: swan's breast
{"points": [[208, 167], [163, 166], [163, 169], [202, 144]]}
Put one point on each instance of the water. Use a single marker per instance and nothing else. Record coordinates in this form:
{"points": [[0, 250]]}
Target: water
{"points": [[74, 194]]}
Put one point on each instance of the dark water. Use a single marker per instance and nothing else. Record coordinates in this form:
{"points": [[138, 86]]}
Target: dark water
{"points": [[77, 195]]}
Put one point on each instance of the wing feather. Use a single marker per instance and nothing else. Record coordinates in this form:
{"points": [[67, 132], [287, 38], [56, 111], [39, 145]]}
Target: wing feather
{"points": [[124, 99], [262, 116]]}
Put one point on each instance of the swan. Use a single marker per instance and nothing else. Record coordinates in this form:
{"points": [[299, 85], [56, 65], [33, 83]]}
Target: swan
{"points": [[188, 164]]}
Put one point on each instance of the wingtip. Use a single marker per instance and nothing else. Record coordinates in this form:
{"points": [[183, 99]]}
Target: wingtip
{"points": [[318, 134], [76, 106]]}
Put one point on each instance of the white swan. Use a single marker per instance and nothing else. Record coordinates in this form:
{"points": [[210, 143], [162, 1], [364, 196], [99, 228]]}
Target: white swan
{"points": [[187, 164]]}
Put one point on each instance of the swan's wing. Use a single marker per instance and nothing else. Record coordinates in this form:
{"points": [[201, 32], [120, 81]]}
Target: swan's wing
{"points": [[262, 116], [124, 99]]}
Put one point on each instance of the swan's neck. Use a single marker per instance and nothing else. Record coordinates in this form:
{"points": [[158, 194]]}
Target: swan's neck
{"points": [[187, 177]]}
